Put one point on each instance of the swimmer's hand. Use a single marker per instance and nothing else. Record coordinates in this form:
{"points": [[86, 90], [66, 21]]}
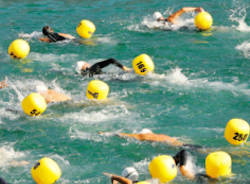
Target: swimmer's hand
{"points": [[126, 69]]}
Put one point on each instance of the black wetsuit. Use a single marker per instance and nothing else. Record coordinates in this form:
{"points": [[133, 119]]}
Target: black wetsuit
{"points": [[97, 67], [55, 37]]}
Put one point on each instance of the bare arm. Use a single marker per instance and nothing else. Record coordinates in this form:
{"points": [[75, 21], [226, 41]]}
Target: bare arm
{"points": [[120, 179], [66, 35], [172, 18], [54, 96], [45, 39], [3, 84]]}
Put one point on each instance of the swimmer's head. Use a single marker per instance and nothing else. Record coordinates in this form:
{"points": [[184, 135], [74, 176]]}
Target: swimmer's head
{"points": [[82, 67], [145, 131], [157, 15], [47, 30], [130, 173]]}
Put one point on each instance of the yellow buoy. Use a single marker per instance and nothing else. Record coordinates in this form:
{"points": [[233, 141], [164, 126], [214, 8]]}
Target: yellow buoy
{"points": [[203, 20], [143, 64], [163, 167], [142, 182], [46, 171], [19, 49], [97, 90], [85, 29], [34, 104], [236, 131], [218, 164]]}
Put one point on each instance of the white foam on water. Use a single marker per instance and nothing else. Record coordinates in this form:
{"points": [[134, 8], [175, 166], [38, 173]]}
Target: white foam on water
{"points": [[239, 16], [52, 57], [176, 77], [34, 34], [106, 39], [245, 48], [87, 116], [8, 154]]}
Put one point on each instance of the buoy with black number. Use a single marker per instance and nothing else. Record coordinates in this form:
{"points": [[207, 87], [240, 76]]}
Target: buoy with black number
{"points": [[19, 49], [46, 171], [34, 104], [143, 64], [237, 131], [85, 29], [98, 90]]}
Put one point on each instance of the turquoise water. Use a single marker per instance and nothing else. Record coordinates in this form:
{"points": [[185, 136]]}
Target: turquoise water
{"points": [[201, 81]]}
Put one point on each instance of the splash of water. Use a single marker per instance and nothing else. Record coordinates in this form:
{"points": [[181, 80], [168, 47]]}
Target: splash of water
{"points": [[239, 16]]}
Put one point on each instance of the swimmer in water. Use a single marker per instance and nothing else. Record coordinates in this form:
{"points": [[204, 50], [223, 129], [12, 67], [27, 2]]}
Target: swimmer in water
{"points": [[181, 161], [173, 17], [51, 36], [50, 95], [85, 68], [129, 176], [148, 135], [3, 84]]}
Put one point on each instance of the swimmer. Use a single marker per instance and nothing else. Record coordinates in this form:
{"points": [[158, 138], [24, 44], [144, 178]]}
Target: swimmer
{"points": [[51, 36], [52, 96], [148, 135], [181, 160], [129, 176], [3, 84], [173, 18], [85, 68]]}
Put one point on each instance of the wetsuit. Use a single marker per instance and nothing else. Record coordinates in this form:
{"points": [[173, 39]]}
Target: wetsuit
{"points": [[97, 67], [54, 37]]}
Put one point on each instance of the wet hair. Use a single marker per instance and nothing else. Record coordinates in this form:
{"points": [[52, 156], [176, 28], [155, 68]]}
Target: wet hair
{"points": [[46, 30]]}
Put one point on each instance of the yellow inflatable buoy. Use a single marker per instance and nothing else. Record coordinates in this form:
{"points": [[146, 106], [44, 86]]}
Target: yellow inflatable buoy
{"points": [[97, 90], [143, 64], [203, 20], [142, 182], [237, 131], [34, 104], [163, 167], [85, 29], [46, 171], [218, 164], [19, 49]]}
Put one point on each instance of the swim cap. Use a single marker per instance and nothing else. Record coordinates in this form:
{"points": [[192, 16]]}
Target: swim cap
{"points": [[79, 65], [145, 131], [130, 173], [157, 15]]}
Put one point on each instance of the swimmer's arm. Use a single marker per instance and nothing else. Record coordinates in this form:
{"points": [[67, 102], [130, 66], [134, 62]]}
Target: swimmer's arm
{"points": [[3, 84], [68, 36], [18, 163], [120, 179], [187, 173], [172, 18], [54, 96], [45, 39], [135, 136]]}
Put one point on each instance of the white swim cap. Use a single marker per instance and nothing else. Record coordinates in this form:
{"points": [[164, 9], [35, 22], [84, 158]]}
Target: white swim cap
{"points": [[145, 131], [79, 65], [157, 15], [130, 173]]}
